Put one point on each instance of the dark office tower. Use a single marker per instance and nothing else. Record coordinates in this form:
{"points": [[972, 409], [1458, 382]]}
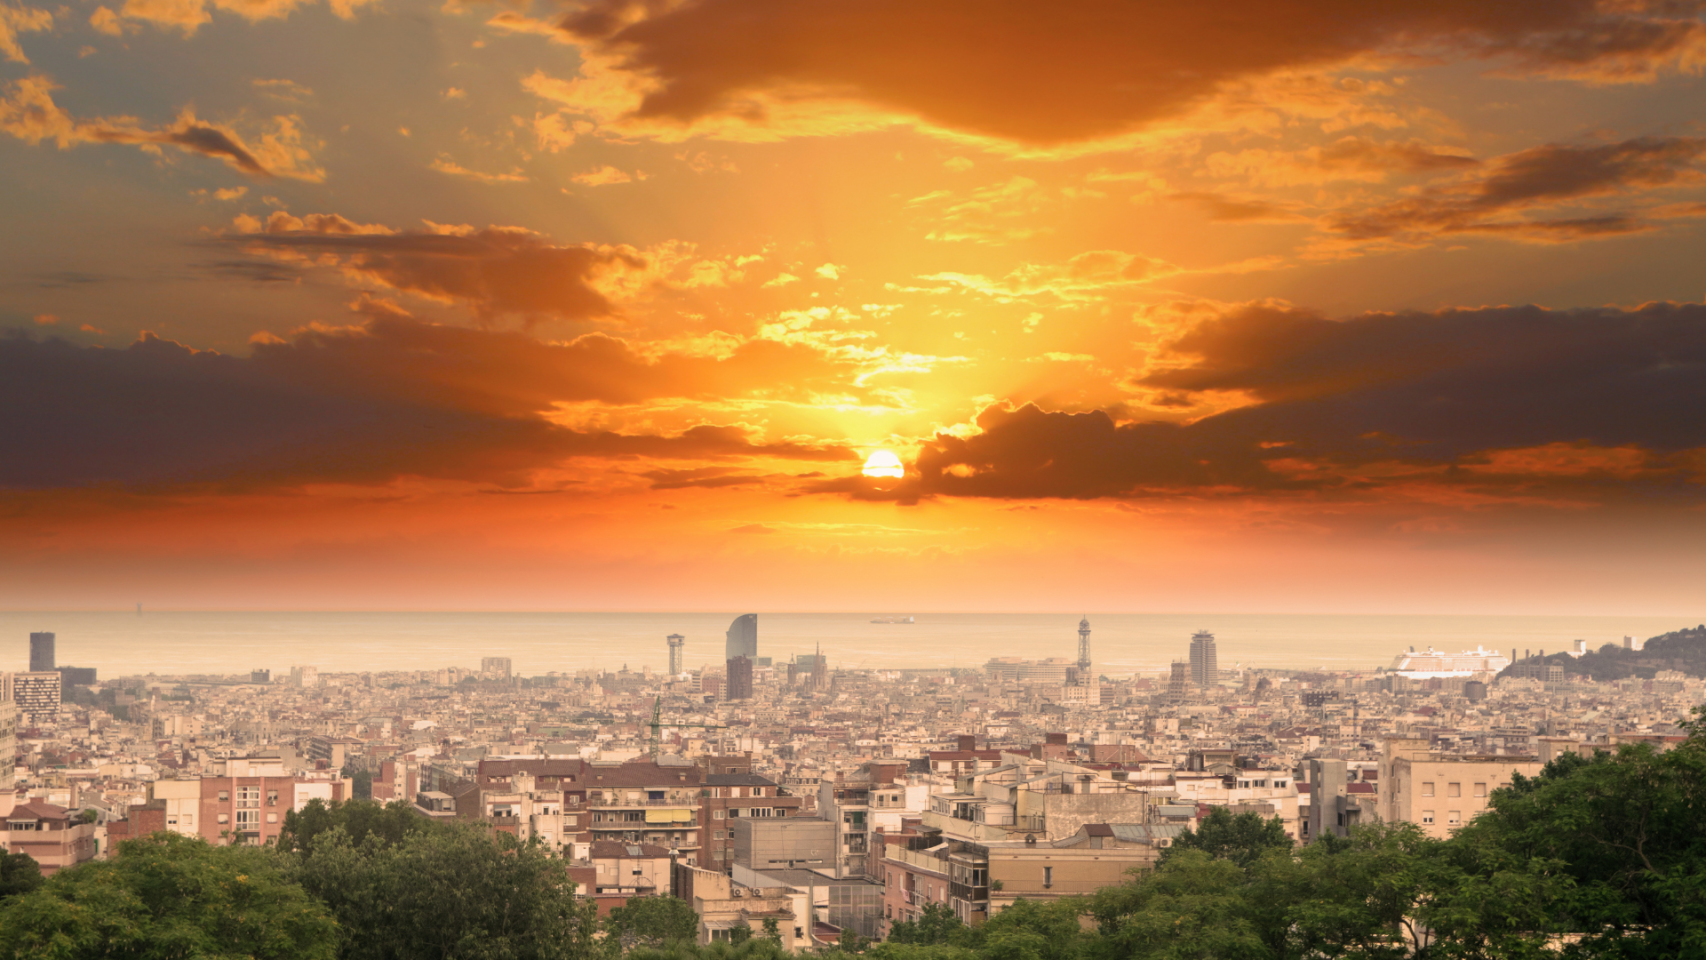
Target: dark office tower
{"points": [[1205, 671], [743, 637], [76, 677], [740, 679], [41, 652]]}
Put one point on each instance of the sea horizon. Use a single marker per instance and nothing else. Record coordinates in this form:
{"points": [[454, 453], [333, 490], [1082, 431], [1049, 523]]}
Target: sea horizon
{"points": [[122, 642]]}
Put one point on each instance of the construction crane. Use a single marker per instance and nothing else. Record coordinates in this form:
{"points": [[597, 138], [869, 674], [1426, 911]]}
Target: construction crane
{"points": [[658, 725]]}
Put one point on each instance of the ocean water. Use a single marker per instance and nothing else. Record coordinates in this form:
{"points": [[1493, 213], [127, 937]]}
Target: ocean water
{"points": [[119, 644]]}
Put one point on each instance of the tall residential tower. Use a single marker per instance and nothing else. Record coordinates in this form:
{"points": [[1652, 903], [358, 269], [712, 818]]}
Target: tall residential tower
{"points": [[1205, 671], [676, 643]]}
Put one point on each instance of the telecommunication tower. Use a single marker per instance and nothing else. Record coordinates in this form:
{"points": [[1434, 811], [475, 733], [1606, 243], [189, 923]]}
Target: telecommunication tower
{"points": [[1084, 646]]}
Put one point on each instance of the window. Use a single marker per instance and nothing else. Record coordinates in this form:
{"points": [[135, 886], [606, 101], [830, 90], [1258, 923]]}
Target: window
{"points": [[716, 834], [272, 798], [1454, 789], [248, 818], [1480, 790], [224, 796], [1427, 816], [1048, 877], [717, 814], [1428, 789], [224, 818], [1453, 817], [272, 818]]}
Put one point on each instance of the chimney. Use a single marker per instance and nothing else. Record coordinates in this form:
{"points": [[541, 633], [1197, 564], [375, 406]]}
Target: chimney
{"points": [[967, 742]]}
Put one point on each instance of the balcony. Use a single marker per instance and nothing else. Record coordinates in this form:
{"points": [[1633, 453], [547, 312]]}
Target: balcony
{"points": [[968, 893], [685, 803]]}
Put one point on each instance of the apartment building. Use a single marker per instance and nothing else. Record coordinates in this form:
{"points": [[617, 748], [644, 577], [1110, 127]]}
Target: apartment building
{"points": [[624, 870], [646, 801], [243, 800], [1441, 792], [37, 695], [56, 837], [8, 736], [728, 798]]}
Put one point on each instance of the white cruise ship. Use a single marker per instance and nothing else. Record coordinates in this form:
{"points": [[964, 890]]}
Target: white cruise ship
{"points": [[893, 620], [1434, 663]]}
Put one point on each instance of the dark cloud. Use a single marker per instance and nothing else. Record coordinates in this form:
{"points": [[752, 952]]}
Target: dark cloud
{"points": [[1607, 399], [1238, 210], [498, 271], [298, 412], [254, 271], [1532, 181], [705, 477], [27, 111], [194, 137], [508, 373], [1062, 72]]}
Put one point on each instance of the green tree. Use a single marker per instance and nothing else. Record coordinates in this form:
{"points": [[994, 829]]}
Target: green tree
{"points": [[19, 873], [169, 896], [359, 819], [1242, 838], [772, 930], [1032, 930], [1622, 833], [652, 922], [1191, 905], [455, 892], [740, 933], [936, 924], [757, 948]]}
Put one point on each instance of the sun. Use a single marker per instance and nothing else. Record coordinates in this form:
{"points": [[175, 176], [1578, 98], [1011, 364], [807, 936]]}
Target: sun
{"points": [[883, 463]]}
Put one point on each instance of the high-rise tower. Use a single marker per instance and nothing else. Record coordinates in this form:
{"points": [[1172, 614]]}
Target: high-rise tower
{"points": [[1205, 671], [1084, 647], [41, 652], [743, 637], [739, 672], [676, 643]]}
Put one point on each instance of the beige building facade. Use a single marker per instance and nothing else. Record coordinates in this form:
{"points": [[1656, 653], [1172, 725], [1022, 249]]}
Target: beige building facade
{"points": [[1442, 792]]}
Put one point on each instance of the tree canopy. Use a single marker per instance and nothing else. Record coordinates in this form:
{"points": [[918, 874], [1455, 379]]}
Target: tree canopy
{"points": [[169, 896], [452, 892], [1241, 838], [652, 922]]}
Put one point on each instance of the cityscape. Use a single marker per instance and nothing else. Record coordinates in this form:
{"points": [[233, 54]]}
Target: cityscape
{"points": [[839, 802], [763, 479]]}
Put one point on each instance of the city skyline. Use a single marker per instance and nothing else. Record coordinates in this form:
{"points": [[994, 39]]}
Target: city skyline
{"points": [[369, 305]]}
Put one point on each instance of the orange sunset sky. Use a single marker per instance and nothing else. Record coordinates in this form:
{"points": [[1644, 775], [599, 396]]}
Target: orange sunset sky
{"points": [[1294, 305]]}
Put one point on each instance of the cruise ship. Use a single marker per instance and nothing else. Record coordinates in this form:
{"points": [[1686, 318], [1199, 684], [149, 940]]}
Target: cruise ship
{"points": [[1434, 663], [892, 620]]}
